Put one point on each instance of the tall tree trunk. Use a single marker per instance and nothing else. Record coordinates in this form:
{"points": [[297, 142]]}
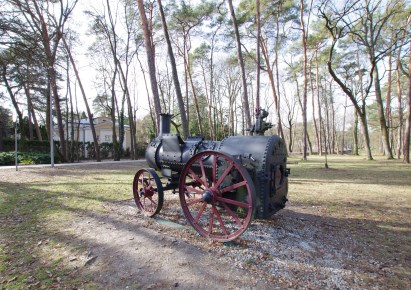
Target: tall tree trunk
{"points": [[320, 118], [407, 138], [67, 109], [277, 73], [59, 116], [77, 137], [30, 121], [36, 123], [33, 115], [153, 120], [361, 111], [124, 78], [381, 116], [313, 110], [72, 137], [176, 81], [53, 82], [132, 125], [121, 125], [116, 144], [193, 89], [332, 112], [150, 62], [258, 59], [133, 140], [125, 87], [231, 115], [400, 108], [290, 132], [273, 88], [327, 138], [220, 115], [209, 96], [89, 114], [388, 114], [52, 75], [131, 111], [211, 103], [246, 106], [1, 131], [343, 128], [186, 80], [304, 101], [16, 108], [355, 134]]}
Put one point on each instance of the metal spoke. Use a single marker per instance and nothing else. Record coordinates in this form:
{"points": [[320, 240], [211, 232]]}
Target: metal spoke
{"points": [[200, 213], [225, 173], [233, 215], [190, 188], [195, 176], [141, 180], [152, 201], [234, 202], [234, 186], [220, 219], [211, 221], [203, 172], [194, 201]]}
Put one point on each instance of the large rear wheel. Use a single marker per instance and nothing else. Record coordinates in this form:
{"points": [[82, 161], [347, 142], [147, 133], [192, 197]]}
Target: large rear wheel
{"points": [[217, 195]]}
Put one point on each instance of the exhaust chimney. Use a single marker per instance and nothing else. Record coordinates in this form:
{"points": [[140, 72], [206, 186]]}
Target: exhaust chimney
{"points": [[165, 121]]}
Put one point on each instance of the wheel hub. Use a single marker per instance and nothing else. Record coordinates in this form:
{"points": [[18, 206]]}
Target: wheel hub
{"points": [[146, 191], [208, 196]]}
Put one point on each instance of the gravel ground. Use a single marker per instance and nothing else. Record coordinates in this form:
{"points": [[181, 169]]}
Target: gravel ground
{"points": [[298, 248]]}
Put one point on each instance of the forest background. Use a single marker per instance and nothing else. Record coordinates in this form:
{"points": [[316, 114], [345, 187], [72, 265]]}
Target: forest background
{"points": [[334, 76]]}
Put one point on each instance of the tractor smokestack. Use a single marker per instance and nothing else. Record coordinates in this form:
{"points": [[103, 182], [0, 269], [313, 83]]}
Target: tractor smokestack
{"points": [[165, 121]]}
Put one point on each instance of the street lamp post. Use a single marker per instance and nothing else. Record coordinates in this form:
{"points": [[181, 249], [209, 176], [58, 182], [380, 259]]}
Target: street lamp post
{"points": [[51, 134], [16, 146]]}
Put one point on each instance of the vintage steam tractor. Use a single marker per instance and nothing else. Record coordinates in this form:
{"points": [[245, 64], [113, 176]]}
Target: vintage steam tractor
{"points": [[222, 185]]}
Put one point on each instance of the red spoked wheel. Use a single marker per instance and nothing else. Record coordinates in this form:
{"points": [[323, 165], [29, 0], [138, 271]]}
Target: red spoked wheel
{"points": [[217, 195], [148, 192]]}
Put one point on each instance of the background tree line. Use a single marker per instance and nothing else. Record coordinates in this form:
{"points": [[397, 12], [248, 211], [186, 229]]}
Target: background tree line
{"points": [[335, 76]]}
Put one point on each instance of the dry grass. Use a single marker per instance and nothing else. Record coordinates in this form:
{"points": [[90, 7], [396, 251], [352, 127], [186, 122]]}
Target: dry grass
{"points": [[369, 199], [36, 208], [376, 191]]}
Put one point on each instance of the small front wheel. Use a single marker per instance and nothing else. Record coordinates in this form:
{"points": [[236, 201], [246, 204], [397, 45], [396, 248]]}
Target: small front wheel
{"points": [[148, 192]]}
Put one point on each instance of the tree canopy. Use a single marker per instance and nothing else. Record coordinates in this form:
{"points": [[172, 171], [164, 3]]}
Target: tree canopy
{"points": [[333, 75]]}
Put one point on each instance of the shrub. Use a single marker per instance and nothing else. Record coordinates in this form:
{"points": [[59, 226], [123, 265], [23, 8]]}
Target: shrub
{"points": [[34, 158], [106, 149], [141, 150], [8, 158], [29, 145]]}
